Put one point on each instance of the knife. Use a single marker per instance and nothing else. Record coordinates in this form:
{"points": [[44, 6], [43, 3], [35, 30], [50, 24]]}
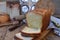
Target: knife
{"points": [[20, 20]]}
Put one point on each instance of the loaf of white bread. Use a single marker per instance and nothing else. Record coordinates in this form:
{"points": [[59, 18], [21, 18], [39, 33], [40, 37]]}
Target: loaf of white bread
{"points": [[37, 21]]}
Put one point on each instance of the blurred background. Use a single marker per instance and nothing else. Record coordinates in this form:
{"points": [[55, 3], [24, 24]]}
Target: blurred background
{"points": [[24, 4]]}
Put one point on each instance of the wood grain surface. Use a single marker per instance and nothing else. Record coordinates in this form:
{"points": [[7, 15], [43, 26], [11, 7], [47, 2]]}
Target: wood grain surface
{"points": [[5, 34]]}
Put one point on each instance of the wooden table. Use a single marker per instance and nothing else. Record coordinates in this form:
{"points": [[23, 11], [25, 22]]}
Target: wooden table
{"points": [[5, 34]]}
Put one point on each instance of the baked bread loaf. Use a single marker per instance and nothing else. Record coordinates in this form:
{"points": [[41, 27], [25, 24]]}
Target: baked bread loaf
{"points": [[38, 18], [4, 18], [37, 21], [20, 37]]}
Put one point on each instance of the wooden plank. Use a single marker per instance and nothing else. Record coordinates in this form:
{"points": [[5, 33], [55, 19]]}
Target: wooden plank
{"points": [[9, 23], [52, 36], [43, 34], [10, 35], [2, 32]]}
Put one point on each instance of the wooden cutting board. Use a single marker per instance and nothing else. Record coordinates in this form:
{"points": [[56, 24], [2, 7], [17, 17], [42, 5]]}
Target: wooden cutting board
{"points": [[43, 34]]}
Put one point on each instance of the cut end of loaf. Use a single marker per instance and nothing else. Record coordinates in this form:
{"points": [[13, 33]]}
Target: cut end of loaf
{"points": [[34, 20]]}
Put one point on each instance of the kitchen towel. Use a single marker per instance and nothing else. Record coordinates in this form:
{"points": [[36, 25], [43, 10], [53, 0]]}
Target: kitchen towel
{"points": [[56, 20]]}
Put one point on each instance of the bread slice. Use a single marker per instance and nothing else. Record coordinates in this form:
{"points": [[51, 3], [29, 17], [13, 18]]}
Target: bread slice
{"points": [[20, 37], [30, 32]]}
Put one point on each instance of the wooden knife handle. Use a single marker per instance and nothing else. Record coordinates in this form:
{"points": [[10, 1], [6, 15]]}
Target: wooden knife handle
{"points": [[9, 23]]}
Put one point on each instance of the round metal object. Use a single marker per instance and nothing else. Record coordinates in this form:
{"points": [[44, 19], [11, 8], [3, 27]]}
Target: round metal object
{"points": [[25, 9], [35, 1]]}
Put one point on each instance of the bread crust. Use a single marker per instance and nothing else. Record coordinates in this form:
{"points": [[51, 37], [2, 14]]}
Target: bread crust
{"points": [[45, 21], [46, 14], [30, 34]]}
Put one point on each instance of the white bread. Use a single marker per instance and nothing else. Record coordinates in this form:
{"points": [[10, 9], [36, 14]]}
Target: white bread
{"points": [[38, 18], [34, 20], [37, 21], [20, 37], [31, 30]]}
